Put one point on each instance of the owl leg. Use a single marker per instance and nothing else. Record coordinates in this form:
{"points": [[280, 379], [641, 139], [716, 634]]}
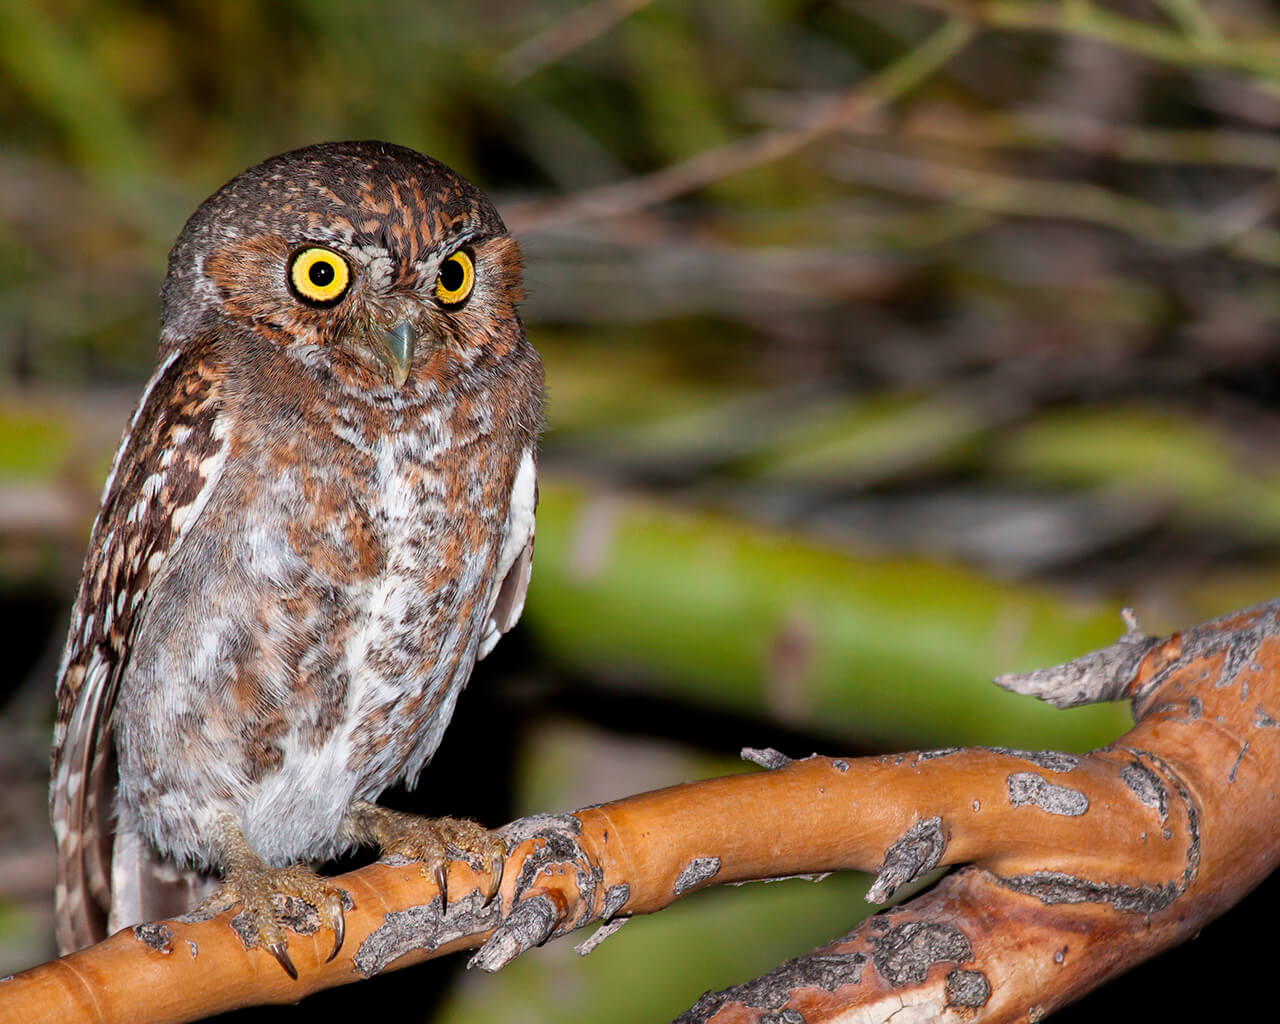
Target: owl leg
{"points": [[428, 840], [248, 881]]}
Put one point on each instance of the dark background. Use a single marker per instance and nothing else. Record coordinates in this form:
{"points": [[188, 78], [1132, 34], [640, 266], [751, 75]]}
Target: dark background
{"points": [[840, 425]]}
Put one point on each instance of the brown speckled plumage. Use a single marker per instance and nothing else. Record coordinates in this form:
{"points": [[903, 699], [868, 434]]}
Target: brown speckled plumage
{"points": [[298, 560]]}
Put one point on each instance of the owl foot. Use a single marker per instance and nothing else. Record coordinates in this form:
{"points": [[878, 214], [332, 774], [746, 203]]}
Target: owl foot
{"points": [[429, 840], [262, 920]]}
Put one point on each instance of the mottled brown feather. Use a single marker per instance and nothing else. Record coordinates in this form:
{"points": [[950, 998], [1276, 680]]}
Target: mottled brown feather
{"points": [[181, 400]]}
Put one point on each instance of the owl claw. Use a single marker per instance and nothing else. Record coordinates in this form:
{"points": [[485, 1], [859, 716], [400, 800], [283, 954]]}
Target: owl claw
{"points": [[442, 883], [494, 880], [281, 952], [339, 933]]}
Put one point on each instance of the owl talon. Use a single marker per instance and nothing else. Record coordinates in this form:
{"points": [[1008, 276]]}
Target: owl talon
{"points": [[493, 881], [498, 862], [442, 883], [281, 952], [339, 934], [331, 909]]}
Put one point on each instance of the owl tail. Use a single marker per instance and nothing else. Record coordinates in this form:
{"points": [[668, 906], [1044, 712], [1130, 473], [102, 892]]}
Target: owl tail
{"points": [[144, 887], [83, 774]]}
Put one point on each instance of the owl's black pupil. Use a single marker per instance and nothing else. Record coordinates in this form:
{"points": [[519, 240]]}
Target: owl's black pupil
{"points": [[452, 275], [321, 274]]}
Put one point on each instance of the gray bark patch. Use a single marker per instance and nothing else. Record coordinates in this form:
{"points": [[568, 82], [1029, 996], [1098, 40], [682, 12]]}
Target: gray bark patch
{"points": [[1231, 777], [1028, 788], [929, 755], [615, 898], [782, 1017], [765, 757], [155, 937], [969, 989], [1049, 760], [912, 856], [536, 824], [1238, 656], [529, 924], [1052, 887], [772, 991], [1147, 787], [423, 927], [697, 870], [904, 953], [1262, 720]]}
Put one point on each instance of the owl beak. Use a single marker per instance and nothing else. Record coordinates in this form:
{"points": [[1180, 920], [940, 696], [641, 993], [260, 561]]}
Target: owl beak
{"points": [[395, 346]]}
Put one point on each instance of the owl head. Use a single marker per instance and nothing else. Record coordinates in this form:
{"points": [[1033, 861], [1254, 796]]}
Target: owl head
{"points": [[379, 262]]}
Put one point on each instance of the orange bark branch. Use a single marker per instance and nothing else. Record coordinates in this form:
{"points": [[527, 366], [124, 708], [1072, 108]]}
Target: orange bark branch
{"points": [[1079, 866], [1084, 866]]}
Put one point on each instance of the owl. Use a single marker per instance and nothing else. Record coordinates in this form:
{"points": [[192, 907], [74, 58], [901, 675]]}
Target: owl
{"points": [[320, 516]]}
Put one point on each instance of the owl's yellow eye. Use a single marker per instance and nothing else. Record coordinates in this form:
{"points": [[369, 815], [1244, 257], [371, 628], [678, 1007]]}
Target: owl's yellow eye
{"points": [[456, 279], [319, 276]]}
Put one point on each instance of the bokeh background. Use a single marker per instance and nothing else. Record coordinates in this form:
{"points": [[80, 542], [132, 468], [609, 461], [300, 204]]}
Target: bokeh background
{"points": [[886, 352]]}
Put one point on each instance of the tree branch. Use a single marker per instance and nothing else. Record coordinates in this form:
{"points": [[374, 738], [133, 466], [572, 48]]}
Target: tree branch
{"points": [[1079, 866]]}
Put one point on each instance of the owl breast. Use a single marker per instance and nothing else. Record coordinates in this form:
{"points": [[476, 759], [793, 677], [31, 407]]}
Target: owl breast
{"points": [[322, 616]]}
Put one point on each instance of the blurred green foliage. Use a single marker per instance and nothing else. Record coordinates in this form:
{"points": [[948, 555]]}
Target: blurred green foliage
{"points": [[742, 619], [833, 439]]}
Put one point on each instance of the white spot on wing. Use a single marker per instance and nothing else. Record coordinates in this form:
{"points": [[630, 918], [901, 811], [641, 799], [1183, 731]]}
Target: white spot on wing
{"points": [[520, 517], [513, 558]]}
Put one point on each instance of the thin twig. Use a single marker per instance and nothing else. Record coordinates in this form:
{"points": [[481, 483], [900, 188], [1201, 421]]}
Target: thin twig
{"points": [[742, 154], [564, 37], [1234, 228], [1043, 128], [1259, 56], [1038, 129], [1192, 19]]}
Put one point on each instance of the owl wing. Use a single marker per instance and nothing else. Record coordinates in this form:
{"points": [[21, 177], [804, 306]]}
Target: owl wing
{"points": [[168, 463], [515, 560]]}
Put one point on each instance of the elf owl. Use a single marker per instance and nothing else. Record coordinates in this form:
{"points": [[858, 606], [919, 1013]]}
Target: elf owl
{"points": [[319, 518]]}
